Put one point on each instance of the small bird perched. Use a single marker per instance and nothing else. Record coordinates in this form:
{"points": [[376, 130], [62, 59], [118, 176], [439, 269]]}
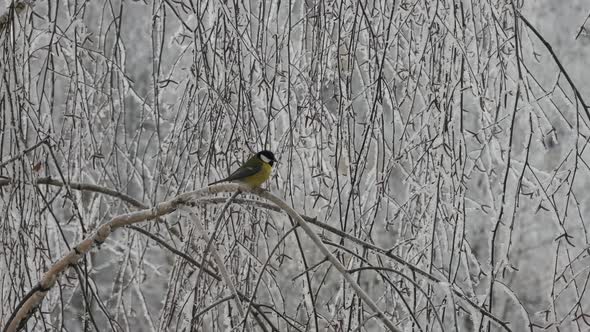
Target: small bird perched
{"points": [[254, 171]]}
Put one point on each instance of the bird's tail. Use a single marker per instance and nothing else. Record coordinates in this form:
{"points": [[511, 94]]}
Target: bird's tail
{"points": [[216, 182]]}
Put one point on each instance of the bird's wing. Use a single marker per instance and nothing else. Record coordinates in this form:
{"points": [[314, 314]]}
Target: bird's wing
{"points": [[243, 172]]}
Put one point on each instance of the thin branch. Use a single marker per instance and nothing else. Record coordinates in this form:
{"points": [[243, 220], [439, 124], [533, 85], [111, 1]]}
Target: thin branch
{"points": [[558, 62], [335, 262], [220, 264], [22, 153]]}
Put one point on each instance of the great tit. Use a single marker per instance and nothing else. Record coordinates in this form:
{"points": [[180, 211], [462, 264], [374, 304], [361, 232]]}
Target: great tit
{"points": [[254, 171]]}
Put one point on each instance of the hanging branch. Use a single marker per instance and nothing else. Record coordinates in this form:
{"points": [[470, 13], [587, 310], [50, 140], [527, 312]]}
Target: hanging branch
{"points": [[220, 264], [557, 61]]}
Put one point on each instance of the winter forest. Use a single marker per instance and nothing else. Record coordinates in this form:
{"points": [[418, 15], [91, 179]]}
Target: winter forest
{"points": [[432, 160]]}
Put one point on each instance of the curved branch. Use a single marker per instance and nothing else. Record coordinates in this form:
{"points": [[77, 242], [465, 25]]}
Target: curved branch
{"points": [[335, 262], [28, 305], [198, 198], [556, 59]]}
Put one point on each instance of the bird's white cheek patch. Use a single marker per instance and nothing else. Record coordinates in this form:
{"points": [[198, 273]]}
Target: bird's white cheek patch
{"points": [[264, 158]]}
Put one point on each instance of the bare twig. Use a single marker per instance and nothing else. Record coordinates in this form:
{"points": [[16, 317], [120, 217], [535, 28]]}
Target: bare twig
{"points": [[21, 154]]}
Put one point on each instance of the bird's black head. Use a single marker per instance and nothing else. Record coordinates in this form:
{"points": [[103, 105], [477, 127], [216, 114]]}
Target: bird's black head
{"points": [[267, 157]]}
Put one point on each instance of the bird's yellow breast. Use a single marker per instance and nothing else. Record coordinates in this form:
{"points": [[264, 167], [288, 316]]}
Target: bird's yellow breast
{"points": [[257, 179]]}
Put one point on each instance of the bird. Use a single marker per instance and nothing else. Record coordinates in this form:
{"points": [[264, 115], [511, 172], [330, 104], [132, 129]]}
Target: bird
{"points": [[253, 172]]}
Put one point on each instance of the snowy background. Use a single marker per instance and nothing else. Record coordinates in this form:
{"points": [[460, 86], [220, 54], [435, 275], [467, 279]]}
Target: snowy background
{"points": [[424, 129]]}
